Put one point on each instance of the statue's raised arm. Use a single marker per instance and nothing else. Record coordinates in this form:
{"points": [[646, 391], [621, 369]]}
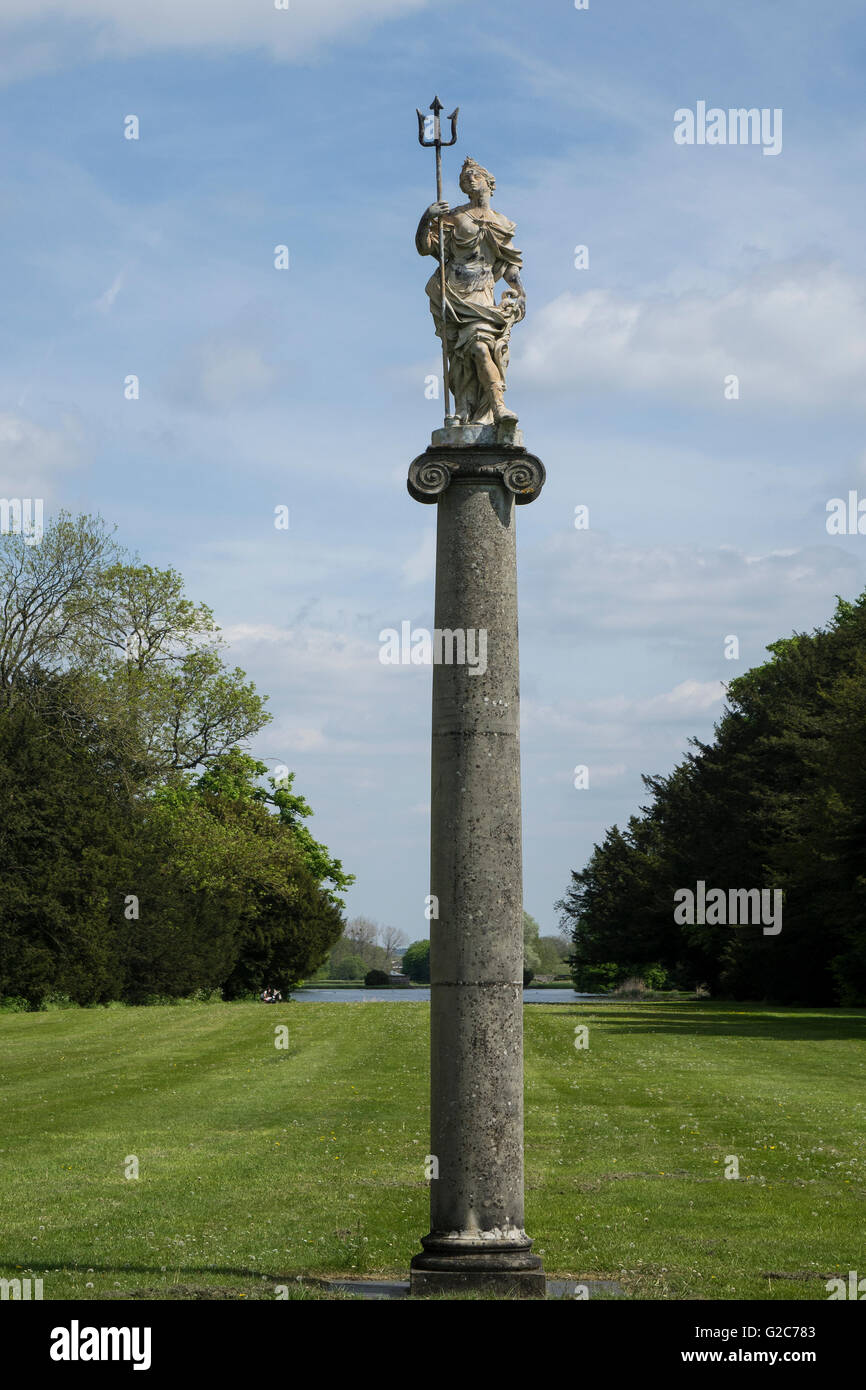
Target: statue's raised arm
{"points": [[478, 251]]}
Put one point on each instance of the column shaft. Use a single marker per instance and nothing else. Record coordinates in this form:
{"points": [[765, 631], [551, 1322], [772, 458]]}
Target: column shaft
{"points": [[476, 952]]}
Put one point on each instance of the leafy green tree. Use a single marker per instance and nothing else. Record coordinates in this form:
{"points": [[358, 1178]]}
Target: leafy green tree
{"points": [[214, 841], [139, 851], [531, 957], [349, 968], [777, 801], [149, 660], [159, 674], [552, 952], [416, 962], [190, 877], [49, 596], [64, 837], [360, 940], [293, 810], [598, 979]]}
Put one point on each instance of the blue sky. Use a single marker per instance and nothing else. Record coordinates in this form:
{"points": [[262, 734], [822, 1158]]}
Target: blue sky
{"points": [[305, 387]]}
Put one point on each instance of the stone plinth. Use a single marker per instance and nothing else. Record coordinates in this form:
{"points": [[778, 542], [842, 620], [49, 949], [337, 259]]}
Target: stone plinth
{"points": [[477, 1237], [459, 436]]}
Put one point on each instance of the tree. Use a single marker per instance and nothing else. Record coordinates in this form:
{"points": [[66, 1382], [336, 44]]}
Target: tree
{"points": [[232, 890], [149, 659], [349, 968], [49, 596], [160, 674], [293, 810], [392, 938], [140, 853], [189, 876], [416, 962], [362, 932], [776, 802], [377, 979], [140, 617], [552, 954], [531, 958], [65, 829], [359, 940]]}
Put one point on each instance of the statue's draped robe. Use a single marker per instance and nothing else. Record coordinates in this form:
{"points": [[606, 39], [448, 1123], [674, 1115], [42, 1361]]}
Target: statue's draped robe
{"points": [[476, 256]]}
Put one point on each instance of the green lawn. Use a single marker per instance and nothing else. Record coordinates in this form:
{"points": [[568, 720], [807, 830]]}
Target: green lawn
{"points": [[257, 1165]]}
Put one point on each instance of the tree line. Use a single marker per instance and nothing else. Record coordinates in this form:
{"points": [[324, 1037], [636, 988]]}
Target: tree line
{"points": [[366, 946], [143, 853], [776, 802]]}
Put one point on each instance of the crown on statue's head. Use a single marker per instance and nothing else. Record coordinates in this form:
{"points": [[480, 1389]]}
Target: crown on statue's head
{"points": [[471, 166]]}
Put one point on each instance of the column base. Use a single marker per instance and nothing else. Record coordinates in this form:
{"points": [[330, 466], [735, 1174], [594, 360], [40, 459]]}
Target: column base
{"points": [[508, 1273], [503, 1283]]}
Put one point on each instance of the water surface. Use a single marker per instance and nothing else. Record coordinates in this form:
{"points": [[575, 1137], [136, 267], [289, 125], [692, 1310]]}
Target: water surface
{"points": [[421, 995]]}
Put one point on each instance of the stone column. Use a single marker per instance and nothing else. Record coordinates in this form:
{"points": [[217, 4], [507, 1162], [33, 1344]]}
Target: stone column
{"points": [[477, 1237]]}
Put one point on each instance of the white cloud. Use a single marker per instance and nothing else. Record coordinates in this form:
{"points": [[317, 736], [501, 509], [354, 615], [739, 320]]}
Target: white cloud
{"points": [[317, 657], [220, 374], [114, 28], [32, 456], [105, 302], [794, 335], [684, 593], [689, 700], [331, 692], [233, 374]]}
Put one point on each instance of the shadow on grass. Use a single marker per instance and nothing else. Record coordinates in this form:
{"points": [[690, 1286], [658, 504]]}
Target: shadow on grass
{"points": [[780, 1022], [296, 1287], [188, 1271]]}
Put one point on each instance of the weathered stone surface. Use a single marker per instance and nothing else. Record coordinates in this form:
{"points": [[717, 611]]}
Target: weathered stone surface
{"points": [[477, 1231], [439, 466], [459, 436], [525, 1284], [478, 250]]}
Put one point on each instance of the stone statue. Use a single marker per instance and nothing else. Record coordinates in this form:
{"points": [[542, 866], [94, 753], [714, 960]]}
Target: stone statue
{"points": [[478, 253]]}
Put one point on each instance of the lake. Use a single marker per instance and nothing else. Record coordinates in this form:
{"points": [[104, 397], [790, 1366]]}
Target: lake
{"points": [[422, 996]]}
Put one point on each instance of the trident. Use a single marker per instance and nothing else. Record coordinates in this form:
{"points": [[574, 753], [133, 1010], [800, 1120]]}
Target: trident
{"points": [[439, 143]]}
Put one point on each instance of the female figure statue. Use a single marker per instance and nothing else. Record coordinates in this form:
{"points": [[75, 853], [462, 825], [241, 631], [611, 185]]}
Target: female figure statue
{"points": [[478, 252]]}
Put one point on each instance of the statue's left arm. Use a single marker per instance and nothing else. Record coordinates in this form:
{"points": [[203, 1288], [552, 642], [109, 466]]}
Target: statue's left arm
{"points": [[508, 268], [515, 292]]}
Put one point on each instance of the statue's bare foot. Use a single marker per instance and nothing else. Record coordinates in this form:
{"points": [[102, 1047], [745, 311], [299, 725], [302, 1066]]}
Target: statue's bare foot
{"points": [[498, 406]]}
